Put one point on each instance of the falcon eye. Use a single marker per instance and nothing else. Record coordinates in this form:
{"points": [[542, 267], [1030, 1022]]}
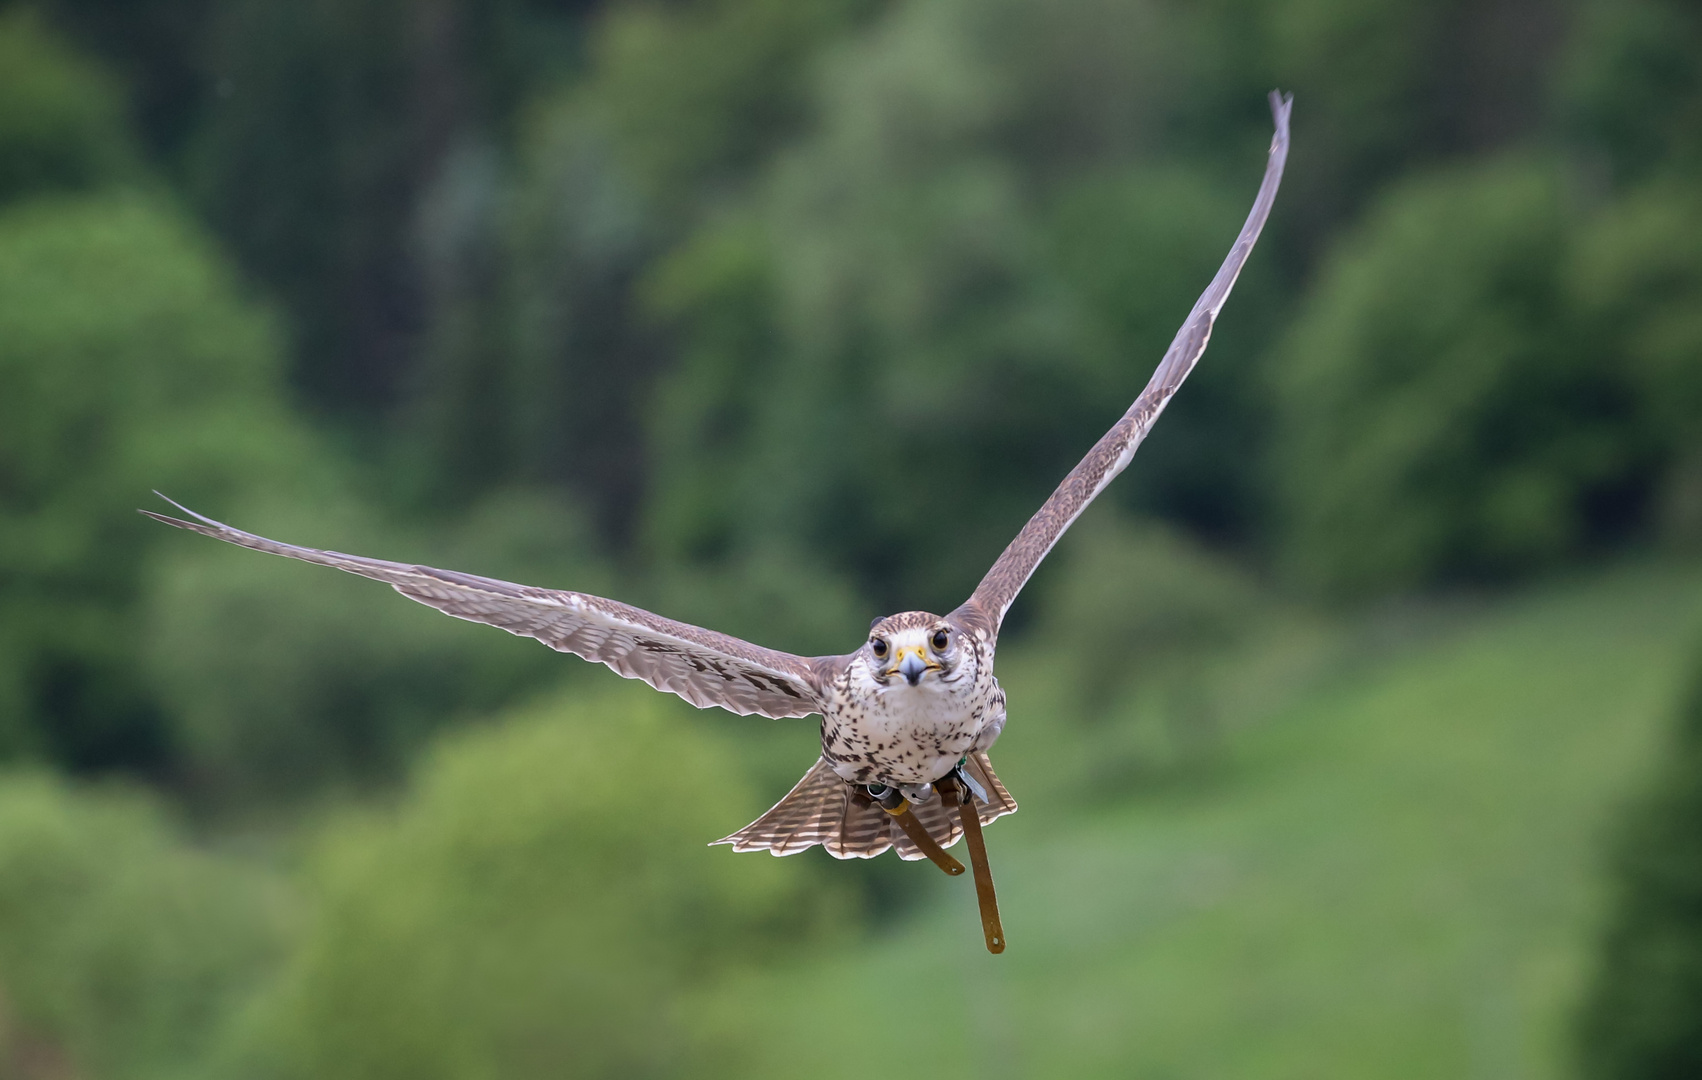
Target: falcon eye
{"points": [[941, 640], [879, 646]]}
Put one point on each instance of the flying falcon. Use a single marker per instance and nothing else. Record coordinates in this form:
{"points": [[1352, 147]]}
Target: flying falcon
{"points": [[906, 719]]}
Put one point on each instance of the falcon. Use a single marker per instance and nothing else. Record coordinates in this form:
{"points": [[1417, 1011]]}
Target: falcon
{"points": [[908, 718]]}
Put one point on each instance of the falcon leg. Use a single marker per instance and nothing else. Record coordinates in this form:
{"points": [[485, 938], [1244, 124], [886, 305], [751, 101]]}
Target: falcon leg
{"points": [[958, 790], [893, 802]]}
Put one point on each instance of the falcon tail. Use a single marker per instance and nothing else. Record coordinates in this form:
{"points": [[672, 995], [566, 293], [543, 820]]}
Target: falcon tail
{"points": [[823, 809]]}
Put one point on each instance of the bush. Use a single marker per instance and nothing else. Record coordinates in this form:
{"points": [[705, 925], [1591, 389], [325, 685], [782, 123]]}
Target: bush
{"points": [[1631, 86], [536, 906], [61, 121], [1447, 413], [1643, 1017], [128, 361], [1638, 275], [1128, 656], [121, 952]]}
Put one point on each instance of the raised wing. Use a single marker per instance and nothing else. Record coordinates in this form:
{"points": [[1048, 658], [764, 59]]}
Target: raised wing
{"points": [[702, 666], [986, 608]]}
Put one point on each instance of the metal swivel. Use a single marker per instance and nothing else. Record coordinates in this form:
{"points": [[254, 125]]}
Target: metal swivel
{"points": [[889, 799]]}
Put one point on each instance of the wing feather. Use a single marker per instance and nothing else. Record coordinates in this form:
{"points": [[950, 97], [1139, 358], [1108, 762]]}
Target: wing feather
{"points": [[704, 667], [986, 607]]}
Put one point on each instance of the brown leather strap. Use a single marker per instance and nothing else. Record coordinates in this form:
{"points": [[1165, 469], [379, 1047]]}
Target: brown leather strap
{"points": [[918, 834], [991, 928]]}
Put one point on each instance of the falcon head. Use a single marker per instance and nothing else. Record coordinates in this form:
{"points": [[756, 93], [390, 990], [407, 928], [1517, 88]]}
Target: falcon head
{"points": [[914, 646]]}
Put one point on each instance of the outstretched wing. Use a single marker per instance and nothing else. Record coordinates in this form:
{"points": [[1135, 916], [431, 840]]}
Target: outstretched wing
{"points": [[986, 608], [702, 666]]}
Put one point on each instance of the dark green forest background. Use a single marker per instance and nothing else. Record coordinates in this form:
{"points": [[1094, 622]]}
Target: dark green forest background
{"points": [[774, 316]]}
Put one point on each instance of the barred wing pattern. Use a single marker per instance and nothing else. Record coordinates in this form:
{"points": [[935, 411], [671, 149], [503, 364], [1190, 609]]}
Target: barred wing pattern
{"points": [[986, 608], [702, 666], [823, 809]]}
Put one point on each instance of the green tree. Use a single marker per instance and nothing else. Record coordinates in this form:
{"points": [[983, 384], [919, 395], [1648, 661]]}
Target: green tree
{"points": [[328, 124], [128, 361], [1386, 89], [1638, 275], [1448, 410], [537, 906], [122, 951], [1643, 1017], [61, 120], [132, 360], [1129, 649], [1631, 87], [897, 347], [540, 352]]}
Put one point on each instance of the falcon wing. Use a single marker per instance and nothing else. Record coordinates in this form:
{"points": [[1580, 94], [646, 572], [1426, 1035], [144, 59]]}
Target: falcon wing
{"points": [[1110, 455], [702, 666]]}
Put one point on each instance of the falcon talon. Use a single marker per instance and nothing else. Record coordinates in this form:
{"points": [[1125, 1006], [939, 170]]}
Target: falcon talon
{"points": [[887, 798], [918, 794], [961, 775], [915, 704]]}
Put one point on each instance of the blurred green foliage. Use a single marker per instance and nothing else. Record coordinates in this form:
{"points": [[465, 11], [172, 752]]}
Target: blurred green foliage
{"points": [[128, 361], [1447, 414], [716, 269], [540, 354], [951, 231], [1643, 1017], [905, 336], [537, 905], [62, 126], [1637, 274], [123, 952], [1631, 88], [693, 98], [318, 128], [1488, 381], [1135, 654]]}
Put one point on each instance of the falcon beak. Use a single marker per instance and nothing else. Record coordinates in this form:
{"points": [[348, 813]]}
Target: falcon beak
{"points": [[911, 664]]}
